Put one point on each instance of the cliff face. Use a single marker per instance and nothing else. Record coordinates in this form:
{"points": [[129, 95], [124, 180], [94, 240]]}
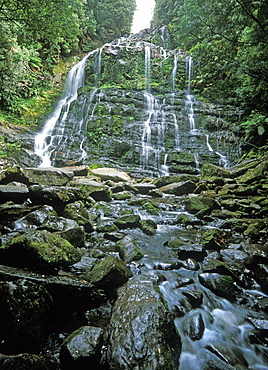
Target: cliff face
{"points": [[130, 104]]}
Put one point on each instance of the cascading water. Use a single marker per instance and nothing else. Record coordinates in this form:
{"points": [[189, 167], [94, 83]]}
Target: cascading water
{"points": [[162, 129], [223, 161], [52, 135]]}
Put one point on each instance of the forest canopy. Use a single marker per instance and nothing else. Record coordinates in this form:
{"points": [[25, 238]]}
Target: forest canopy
{"points": [[228, 40], [35, 34]]}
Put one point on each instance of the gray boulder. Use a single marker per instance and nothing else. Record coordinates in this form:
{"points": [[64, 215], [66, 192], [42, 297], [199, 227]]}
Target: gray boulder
{"points": [[141, 333]]}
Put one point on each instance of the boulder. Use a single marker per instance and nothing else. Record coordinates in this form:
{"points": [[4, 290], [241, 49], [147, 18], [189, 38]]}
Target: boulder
{"points": [[66, 228], [180, 188], [48, 176], [24, 316], [112, 174], [123, 195], [57, 196], [194, 326], [35, 218], [202, 203], [78, 212], [81, 349], [141, 333], [94, 189], [144, 188], [26, 361], [109, 273], [128, 221], [148, 227], [195, 251], [69, 293], [14, 193], [222, 285], [210, 170], [128, 249], [39, 251]]}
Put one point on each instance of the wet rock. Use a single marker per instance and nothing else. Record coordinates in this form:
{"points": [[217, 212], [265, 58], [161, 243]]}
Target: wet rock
{"points": [[35, 218], [214, 265], [16, 194], [181, 308], [28, 361], [57, 196], [144, 188], [258, 172], [261, 276], [139, 314], [234, 256], [168, 266], [128, 221], [186, 221], [263, 304], [155, 193], [69, 294], [194, 297], [128, 249], [122, 195], [209, 170], [81, 349], [39, 251], [109, 273], [112, 174], [198, 203], [223, 285], [94, 189], [257, 254], [195, 251], [148, 227], [48, 176], [194, 326], [213, 239], [191, 264], [210, 361], [78, 212], [180, 188], [107, 227], [24, 316]]}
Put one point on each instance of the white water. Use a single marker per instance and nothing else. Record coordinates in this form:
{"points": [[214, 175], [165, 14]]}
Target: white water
{"points": [[47, 139]]}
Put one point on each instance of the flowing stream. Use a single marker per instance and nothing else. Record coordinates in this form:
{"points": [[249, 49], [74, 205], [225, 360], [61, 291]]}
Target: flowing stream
{"points": [[215, 333]]}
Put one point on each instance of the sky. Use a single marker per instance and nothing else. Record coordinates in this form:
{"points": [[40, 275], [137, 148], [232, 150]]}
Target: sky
{"points": [[143, 15]]}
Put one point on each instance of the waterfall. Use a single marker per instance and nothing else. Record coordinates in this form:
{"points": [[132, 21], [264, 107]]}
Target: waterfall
{"points": [[147, 75], [147, 148], [161, 134], [52, 133], [174, 73], [208, 145]]}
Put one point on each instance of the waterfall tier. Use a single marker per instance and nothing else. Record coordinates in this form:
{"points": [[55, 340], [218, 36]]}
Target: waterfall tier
{"points": [[130, 102]]}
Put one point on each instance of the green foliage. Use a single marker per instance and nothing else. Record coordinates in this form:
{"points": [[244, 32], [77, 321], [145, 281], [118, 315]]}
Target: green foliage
{"points": [[36, 34]]}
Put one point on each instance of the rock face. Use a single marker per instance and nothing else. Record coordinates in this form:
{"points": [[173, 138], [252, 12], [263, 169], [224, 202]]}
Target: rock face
{"points": [[138, 315]]}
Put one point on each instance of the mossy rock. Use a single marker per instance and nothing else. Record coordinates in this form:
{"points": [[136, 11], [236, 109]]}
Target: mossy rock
{"points": [[128, 249], [210, 170], [151, 208], [148, 227], [201, 203], [40, 251], [222, 285], [109, 273], [213, 239], [122, 195], [128, 221]]}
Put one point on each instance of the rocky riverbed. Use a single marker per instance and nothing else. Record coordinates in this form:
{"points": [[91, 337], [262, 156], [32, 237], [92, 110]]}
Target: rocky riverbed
{"points": [[100, 269]]}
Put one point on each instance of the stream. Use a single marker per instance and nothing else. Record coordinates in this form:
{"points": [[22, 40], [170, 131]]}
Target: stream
{"points": [[210, 325]]}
